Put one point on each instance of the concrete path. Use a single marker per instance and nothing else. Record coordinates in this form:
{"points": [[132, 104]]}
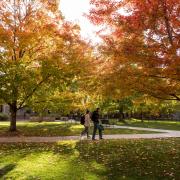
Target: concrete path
{"points": [[163, 134], [139, 128]]}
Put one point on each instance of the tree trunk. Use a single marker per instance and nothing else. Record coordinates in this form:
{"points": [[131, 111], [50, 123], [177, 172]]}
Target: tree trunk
{"points": [[142, 117], [121, 115], [131, 115], [13, 110]]}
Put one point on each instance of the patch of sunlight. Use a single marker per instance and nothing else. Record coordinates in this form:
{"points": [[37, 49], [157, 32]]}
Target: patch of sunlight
{"points": [[91, 176], [4, 123], [78, 169], [48, 165], [169, 122], [8, 159], [38, 165], [71, 143], [52, 123], [76, 127], [97, 166], [155, 121]]}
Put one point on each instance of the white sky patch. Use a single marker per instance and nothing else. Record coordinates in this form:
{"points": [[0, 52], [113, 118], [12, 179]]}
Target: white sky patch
{"points": [[73, 10]]}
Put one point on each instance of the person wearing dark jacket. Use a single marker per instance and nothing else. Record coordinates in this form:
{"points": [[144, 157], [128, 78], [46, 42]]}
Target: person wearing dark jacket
{"points": [[95, 119]]}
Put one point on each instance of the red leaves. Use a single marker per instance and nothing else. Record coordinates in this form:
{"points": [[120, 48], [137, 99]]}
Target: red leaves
{"points": [[101, 10], [147, 37]]}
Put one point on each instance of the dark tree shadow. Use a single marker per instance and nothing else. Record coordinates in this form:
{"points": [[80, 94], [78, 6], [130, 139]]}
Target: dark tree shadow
{"points": [[6, 169], [129, 159]]}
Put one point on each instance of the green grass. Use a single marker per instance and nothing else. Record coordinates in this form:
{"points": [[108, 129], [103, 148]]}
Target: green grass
{"points": [[101, 160], [169, 125], [56, 129]]}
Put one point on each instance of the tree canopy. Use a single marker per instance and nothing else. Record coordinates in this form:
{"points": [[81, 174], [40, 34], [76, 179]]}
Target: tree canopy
{"points": [[140, 46], [44, 61], [39, 51]]}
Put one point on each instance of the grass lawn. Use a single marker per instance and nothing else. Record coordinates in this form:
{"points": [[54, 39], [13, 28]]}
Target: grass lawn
{"points": [[101, 160], [169, 125], [56, 129]]}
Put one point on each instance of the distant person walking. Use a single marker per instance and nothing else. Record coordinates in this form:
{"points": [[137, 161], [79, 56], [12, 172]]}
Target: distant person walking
{"points": [[87, 124], [95, 119]]}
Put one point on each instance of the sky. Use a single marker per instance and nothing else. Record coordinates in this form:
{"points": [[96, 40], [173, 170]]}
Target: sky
{"points": [[74, 10]]}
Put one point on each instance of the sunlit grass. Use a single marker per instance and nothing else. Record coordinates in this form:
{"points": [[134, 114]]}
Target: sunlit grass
{"points": [[170, 125], [57, 129], [115, 159]]}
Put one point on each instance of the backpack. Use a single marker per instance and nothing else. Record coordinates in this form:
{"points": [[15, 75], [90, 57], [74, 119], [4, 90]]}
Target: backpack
{"points": [[82, 120]]}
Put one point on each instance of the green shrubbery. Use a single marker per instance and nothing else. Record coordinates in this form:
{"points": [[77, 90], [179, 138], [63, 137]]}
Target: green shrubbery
{"points": [[3, 117]]}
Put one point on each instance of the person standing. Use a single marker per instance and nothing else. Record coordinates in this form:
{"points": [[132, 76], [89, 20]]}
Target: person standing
{"points": [[87, 124], [95, 119]]}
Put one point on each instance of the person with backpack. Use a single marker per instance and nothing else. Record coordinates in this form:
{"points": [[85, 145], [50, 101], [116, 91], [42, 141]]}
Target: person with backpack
{"points": [[86, 121], [96, 122]]}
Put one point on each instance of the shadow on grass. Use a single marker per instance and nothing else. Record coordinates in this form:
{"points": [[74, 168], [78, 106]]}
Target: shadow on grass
{"points": [[6, 169], [107, 160], [132, 159]]}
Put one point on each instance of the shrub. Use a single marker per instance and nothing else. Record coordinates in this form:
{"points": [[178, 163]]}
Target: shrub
{"points": [[3, 117]]}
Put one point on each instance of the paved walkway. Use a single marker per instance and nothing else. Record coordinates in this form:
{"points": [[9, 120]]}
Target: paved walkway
{"points": [[139, 128], [163, 134]]}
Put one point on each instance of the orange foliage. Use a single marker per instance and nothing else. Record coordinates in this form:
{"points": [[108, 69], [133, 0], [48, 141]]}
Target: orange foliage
{"points": [[143, 45]]}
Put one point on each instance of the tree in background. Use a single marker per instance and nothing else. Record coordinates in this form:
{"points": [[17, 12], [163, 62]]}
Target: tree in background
{"points": [[120, 108], [140, 46], [138, 106]]}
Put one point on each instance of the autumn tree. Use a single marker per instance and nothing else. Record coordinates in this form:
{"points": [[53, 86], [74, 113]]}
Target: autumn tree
{"points": [[140, 46], [38, 51]]}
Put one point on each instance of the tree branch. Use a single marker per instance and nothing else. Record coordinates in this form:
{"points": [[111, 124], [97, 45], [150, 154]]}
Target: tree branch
{"points": [[168, 27], [177, 97], [33, 91], [163, 77]]}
